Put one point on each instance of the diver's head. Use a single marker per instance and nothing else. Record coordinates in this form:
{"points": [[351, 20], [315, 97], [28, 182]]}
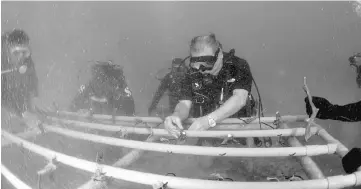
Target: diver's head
{"points": [[17, 47], [206, 54]]}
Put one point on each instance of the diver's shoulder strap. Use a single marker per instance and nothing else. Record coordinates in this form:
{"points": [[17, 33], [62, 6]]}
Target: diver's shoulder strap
{"points": [[230, 58]]}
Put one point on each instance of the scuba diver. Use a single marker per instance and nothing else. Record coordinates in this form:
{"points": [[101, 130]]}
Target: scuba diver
{"points": [[19, 81], [217, 86], [170, 82], [106, 93], [348, 113]]}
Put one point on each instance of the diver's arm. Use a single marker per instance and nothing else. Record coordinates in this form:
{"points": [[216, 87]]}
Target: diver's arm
{"points": [[184, 106], [160, 91], [182, 109], [348, 113], [236, 102]]}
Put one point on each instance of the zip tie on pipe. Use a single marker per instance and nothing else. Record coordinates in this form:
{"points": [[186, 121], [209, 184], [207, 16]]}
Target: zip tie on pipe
{"points": [[15, 181], [196, 150], [185, 183], [206, 134], [287, 118]]}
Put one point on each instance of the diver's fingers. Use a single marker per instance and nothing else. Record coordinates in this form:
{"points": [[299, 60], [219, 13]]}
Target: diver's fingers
{"points": [[175, 134], [178, 123]]}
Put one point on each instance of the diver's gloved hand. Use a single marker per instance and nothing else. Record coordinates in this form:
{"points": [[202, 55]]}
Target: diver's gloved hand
{"points": [[324, 106], [173, 124], [352, 160]]}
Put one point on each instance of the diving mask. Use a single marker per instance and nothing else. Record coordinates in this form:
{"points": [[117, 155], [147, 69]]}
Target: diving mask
{"points": [[204, 62]]}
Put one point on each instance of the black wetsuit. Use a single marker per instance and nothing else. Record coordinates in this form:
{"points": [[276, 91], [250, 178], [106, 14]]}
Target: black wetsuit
{"points": [[108, 85], [235, 74], [347, 113], [172, 83], [17, 90]]}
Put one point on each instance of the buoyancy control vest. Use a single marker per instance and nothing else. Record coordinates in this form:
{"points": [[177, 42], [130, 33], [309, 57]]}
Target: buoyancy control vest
{"points": [[210, 92]]}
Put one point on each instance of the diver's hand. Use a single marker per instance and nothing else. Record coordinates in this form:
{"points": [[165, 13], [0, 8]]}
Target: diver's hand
{"points": [[200, 124], [322, 104], [173, 125]]}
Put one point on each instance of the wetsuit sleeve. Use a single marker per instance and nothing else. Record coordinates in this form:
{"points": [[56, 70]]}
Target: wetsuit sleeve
{"points": [[243, 78], [186, 88], [164, 85], [347, 113]]}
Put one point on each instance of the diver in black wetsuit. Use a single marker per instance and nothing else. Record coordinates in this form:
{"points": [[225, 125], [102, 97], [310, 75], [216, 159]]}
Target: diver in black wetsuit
{"points": [[217, 86], [172, 83], [19, 81], [106, 93], [347, 113]]}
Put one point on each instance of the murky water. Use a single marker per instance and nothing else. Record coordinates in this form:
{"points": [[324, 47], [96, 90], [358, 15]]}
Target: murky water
{"points": [[282, 41]]}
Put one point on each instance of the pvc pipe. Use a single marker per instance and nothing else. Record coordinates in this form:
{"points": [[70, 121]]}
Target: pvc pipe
{"points": [[208, 133], [24, 135], [287, 118], [341, 181], [179, 182], [311, 168], [341, 150], [243, 126], [311, 150], [128, 159], [15, 181]]}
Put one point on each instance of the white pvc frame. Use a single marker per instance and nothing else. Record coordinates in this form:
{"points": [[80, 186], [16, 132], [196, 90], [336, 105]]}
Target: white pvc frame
{"points": [[185, 183], [310, 150], [252, 132], [15, 181], [288, 118]]}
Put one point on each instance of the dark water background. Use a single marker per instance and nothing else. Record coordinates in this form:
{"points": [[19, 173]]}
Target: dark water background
{"points": [[282, 41]]}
